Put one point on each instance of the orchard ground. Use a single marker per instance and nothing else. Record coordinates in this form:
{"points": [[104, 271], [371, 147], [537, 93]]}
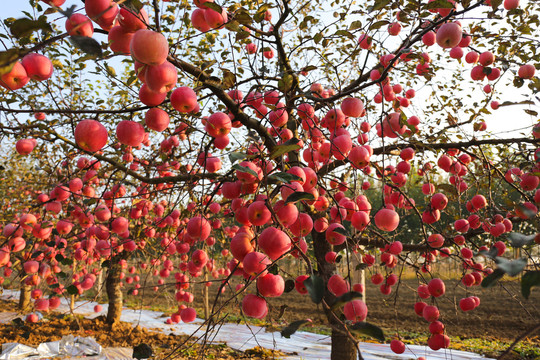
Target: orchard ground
{"points": [[489, 329]]}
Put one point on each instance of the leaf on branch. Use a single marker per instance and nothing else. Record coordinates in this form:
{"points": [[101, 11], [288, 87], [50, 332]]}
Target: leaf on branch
{"points": [[511, 267], [245, 169], [341, 230], [67, 12], [378, 24], [87, 45], [261, 12], [529, 279], [361, 266], [134, 5], [345, 33], [242, 16], [299, 196], [284, 177], [72, 290], [519, 240], [286, 147], [289, 286], [214, 6], [315, 287], [492, 278], [439, 4], [235, 156], [368, 329], [229, 79], [25, 26], [142, 351], [496, 3], [345, 298], [241, 35], [7, 60], [450, 189], [357, 24], [491, 253], [293, 327], [379, 4], [286, 83]]}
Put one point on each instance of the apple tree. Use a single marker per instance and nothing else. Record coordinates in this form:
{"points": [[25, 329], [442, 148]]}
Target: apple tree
{"points": [[210, 138]]}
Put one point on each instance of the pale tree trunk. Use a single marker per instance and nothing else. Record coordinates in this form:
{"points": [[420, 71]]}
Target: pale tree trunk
{"points": [[205, 296], [343, 348], [114, 291], [24, 297]]}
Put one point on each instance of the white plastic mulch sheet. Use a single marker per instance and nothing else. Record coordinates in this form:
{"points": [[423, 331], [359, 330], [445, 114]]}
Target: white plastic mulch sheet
{"points": [[304, 345]]}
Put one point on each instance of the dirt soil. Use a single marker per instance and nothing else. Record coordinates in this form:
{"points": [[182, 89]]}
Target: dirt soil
{"points": [[502, 315], [120, 335]]}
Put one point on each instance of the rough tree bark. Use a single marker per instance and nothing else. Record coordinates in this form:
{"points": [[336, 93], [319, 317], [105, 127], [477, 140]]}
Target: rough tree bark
{"points": [[114, 291], [343, 348]]}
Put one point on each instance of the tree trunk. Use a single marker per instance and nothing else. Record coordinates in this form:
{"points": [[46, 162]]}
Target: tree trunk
{"points": [[343, 348], [24, 297], [114, 291]]}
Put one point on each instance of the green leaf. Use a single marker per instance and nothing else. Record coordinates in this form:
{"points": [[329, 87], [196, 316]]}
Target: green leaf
{"points": [[519, 240], [59, 257], [450, 189], [242, 16], [511, 267], [345, 298], [235, 156], [492, 278], [345, 33], [229, 79], [439, 4], [378, 24], [7, 60], [315, 287], [379, 4], [496, 3], [25, 26], [134, 5], [357, 24], [142, 351], [288, 146], [67, 261], [317, 38], [214, 6], [106, 264], [361, 266], [245, 169], [241, 35], [289, 286], [261, 12], [72, 290], [341, 230], [299, 196], [529, 279], [292, 328], [284, 177], [87, 45], [492, 253], [368, 329], [285, 84]]}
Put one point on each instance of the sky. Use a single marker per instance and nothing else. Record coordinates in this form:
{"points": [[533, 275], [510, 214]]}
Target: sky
{"points": [[502, 123]]}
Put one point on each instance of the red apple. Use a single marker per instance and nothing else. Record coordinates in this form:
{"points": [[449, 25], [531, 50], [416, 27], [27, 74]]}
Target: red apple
{"points": [[16, 78], [157, 119], [161, 78], [79, 24], [149, 47], [131, 21], [184, 99], [130, 133], [449, 35], [91, 135]]}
